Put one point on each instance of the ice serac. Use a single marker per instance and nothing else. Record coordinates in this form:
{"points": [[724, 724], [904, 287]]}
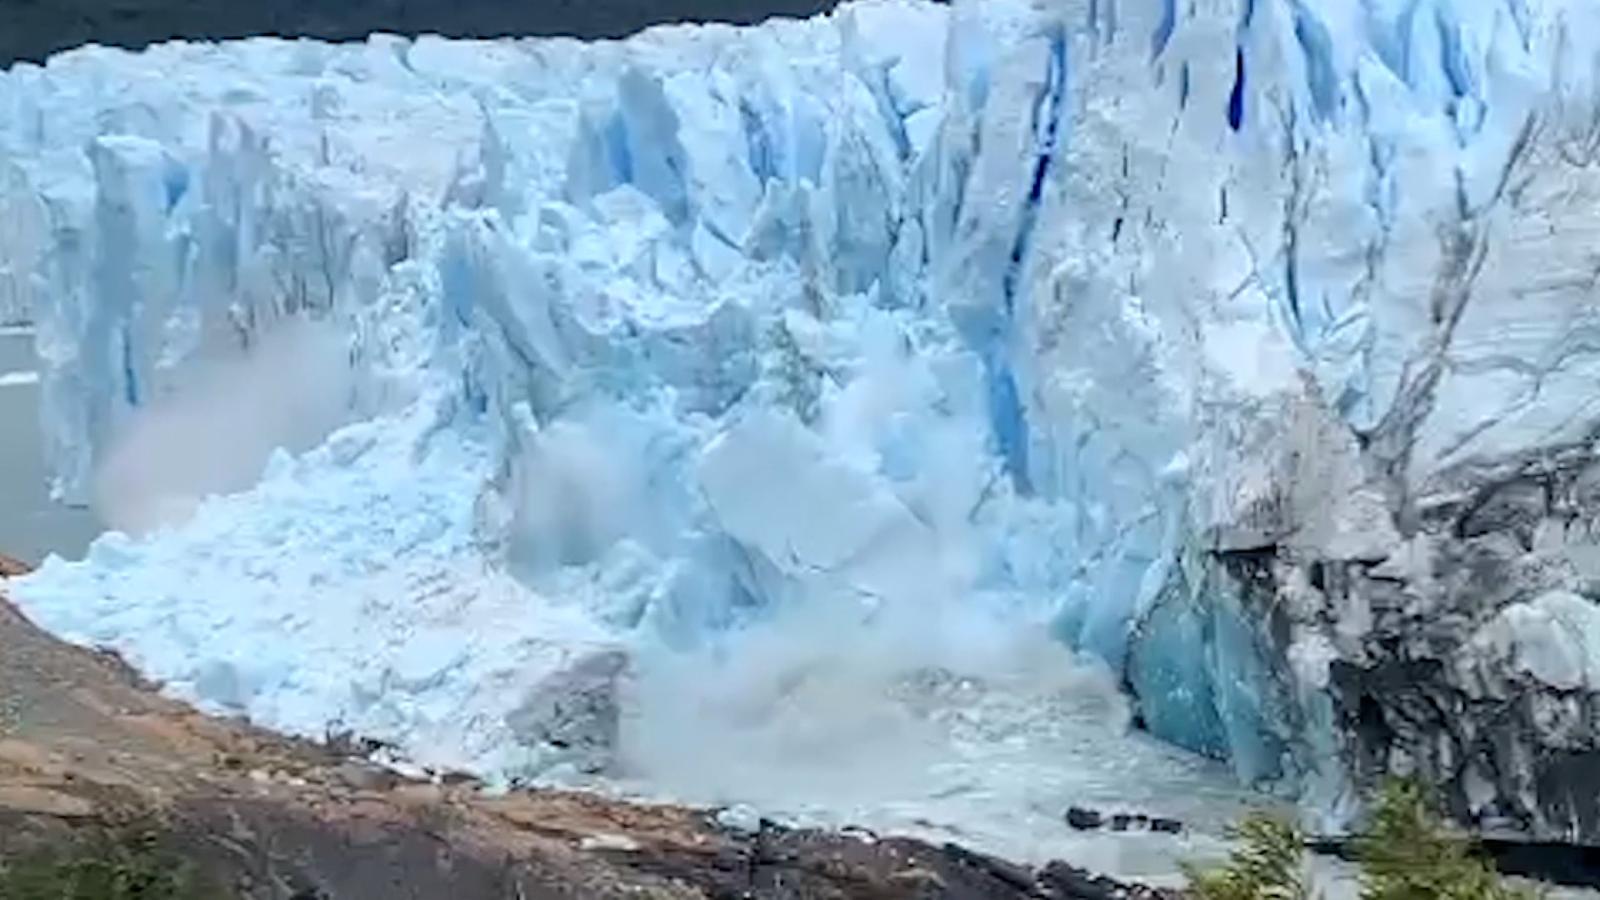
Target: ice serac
{"points": [[1334, 279], [1247, 346]]}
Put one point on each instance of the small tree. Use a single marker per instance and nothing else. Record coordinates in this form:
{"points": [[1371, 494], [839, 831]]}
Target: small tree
{"points": [[1267, 865], [1407, 853]]}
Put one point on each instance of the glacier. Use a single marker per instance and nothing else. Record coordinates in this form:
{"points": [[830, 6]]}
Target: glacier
{"points": [[1243, 348]]}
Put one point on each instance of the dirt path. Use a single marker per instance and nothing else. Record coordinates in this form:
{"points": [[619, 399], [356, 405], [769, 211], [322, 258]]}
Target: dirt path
{"points": [[85, 746]]}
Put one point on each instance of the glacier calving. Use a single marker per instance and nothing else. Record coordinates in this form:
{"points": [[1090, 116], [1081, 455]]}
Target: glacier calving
{"points": [[1246, 346]]}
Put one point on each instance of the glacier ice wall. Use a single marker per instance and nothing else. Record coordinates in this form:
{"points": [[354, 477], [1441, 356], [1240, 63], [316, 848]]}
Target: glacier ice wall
{"points": [[1244, 345]]}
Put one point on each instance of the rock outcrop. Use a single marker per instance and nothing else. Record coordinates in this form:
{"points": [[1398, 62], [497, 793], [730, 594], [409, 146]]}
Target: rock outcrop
{"points": [[13, 568], [1461, 645]]}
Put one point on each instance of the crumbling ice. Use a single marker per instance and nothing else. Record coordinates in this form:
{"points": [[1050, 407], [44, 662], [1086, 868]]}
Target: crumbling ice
{"points": [[1247, 347]]}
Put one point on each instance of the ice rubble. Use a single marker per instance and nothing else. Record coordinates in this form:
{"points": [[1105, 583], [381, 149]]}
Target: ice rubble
{"points": [[1129, 321]]}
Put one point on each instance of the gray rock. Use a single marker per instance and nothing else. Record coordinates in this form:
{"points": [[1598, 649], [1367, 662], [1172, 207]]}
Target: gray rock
{"points": [[1467, 653], [1082, 819]]}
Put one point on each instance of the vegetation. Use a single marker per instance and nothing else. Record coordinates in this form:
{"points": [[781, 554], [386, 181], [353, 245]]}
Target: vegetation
{"points": [[1268, 865], [127, 865], [1405, 852]]}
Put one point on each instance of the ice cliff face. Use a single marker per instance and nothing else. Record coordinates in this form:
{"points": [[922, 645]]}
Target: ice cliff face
{"points": [[1247, 346]]}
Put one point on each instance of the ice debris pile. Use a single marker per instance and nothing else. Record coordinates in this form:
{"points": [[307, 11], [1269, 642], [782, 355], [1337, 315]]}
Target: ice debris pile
{"points": [[1248, 347]]}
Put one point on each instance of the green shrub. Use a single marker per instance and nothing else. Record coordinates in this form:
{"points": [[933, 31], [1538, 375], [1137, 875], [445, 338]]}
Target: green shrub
{"points": [[129, 865], [1406, 852], [1268, 864]]}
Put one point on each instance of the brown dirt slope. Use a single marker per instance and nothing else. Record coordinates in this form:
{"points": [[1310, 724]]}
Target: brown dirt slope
{"points": [[85, 747]]}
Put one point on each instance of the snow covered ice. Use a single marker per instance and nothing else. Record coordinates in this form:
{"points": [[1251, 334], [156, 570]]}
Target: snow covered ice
{"points": [[847, 377]]}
